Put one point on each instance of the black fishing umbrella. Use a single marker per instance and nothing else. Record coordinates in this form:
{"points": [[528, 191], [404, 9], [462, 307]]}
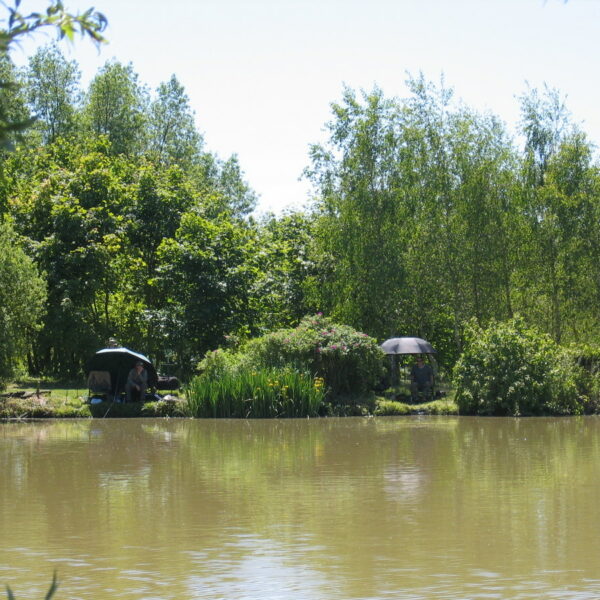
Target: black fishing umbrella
{"points": [[407, 345], [118, 362]]}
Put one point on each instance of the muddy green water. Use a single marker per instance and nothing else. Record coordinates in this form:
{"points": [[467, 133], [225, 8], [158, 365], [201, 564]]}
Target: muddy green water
{"points": [[392, 508]]}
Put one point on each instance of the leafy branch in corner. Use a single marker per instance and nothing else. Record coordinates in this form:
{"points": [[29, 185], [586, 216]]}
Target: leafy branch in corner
{"points": [[14, 25]]}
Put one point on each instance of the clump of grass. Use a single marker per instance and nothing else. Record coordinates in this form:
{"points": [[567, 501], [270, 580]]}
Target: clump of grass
{"points": [[442, 407], [161, 408], [263, 393], [388, 408]]}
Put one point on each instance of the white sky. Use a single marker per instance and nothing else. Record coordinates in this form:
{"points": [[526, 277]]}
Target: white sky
{"points": [[261, 74]]}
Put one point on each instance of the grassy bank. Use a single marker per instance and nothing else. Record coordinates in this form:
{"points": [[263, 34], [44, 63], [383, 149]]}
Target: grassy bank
{"points": [[47, 400], [32, 399], [388, 408]]}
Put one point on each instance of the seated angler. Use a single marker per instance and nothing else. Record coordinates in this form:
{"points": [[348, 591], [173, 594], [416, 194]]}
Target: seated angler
{"points": [[137, 382]]}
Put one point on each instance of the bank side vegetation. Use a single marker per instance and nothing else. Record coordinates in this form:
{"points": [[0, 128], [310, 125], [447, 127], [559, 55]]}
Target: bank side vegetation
{"points": [[428, 219]]}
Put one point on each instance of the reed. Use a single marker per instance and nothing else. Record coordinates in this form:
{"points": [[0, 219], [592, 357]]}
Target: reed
{"points": [[268, 393]]}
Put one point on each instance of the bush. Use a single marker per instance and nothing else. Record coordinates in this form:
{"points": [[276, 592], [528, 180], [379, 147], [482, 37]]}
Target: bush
{"points": [[350, 362], [588, 358], [508, 369]]}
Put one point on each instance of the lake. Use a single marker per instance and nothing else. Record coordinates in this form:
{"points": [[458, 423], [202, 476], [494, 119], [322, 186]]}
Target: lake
{"points": [[355, 508]]}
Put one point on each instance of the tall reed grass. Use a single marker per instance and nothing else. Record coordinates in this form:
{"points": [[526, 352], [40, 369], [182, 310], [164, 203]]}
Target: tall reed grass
{"points": [[266, 393]]}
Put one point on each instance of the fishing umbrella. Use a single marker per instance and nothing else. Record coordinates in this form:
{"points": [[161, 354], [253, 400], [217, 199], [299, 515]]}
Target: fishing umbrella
{"points": [[118, 362], [407, 345]]}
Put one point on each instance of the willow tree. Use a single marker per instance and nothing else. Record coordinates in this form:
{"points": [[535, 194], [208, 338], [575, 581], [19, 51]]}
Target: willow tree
{"points": [[555, 188], [361, 211], [415, 209]]}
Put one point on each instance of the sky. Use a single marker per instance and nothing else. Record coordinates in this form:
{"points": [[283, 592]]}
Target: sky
{"points": [[261, 74]]}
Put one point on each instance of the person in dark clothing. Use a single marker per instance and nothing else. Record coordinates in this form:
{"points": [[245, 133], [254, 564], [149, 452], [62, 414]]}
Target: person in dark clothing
{"points": [[421, 379], [137, 382]]}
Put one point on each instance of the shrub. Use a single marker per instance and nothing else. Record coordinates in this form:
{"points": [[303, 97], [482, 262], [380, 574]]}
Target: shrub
{"points": [[350, 362], [217, 363], [508, 369]]}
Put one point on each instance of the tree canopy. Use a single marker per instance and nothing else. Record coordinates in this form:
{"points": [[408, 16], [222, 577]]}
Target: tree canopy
{"points": [[426, 215]]}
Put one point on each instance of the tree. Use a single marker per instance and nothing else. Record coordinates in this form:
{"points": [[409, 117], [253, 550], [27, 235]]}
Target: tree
{"points": [[227, 178], [116, 106], [70, 207], [205, 278], [52, 87], [241, 199], [544, 122], [410, 192], [14, 114], [281, 296], [22, 295], [544, 203], [174, 138], [360, 233]]}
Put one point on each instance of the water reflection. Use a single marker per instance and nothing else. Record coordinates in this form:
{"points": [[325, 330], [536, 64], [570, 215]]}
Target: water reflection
{"points": [[348, 508]]}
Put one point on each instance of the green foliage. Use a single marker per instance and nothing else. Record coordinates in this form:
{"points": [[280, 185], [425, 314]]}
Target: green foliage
{"points": [[411, 190], [286, 269], [15, 25], [350, 362], [117, 107], [388, 408], [263, 393], [52, 88], [32, 407], [217, 363], [426, 215], [204, 278], [22, 295], [509, 369], [14, 114], [174, 138]]}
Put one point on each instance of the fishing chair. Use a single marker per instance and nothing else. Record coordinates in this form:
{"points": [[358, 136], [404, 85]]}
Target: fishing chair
{"points": [[99, 385]]}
